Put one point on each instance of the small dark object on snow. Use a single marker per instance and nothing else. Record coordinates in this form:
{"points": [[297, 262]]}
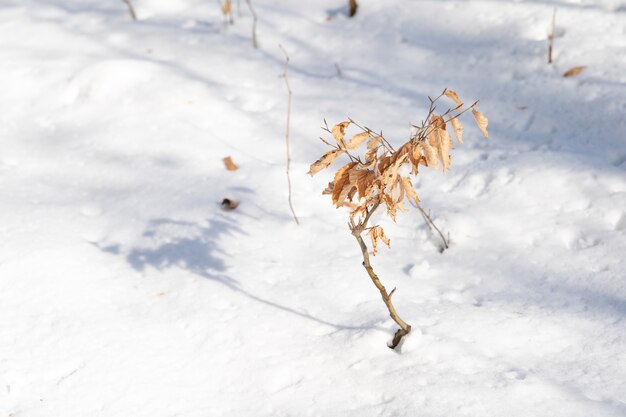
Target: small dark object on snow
{"points": [[229, 204], [352, 7]]}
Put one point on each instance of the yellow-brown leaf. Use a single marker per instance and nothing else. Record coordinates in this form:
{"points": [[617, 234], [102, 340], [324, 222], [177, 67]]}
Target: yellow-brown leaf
{"points": [[442, 142], [458, 129], [363, 180], [327, 159], [226, 7], [572, 72], [391, 172], [481, 121], [430, 155], [377, 233], [452, 94], [357, 139], [409, 190], [342, 183], [339, 131]]}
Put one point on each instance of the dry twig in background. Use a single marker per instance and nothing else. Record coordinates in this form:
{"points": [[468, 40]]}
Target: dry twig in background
{"points": [[254, 20], [286, 77], [131, 9], [551, 37]]}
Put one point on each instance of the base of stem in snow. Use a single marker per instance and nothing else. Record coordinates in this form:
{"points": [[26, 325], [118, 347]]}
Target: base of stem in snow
{"points": [[397, 338]]}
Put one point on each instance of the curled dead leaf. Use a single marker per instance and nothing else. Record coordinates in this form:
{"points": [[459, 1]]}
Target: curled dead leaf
{"points": [[453, 95], [339, 131], [430, 155], [377, 233], [458, 129], [409, 190], [342, 187], [326, 159], [481, 121], [442, 142]]}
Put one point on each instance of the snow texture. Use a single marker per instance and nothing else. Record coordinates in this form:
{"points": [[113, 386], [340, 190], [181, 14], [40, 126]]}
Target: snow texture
{"points": [[125, 290]]}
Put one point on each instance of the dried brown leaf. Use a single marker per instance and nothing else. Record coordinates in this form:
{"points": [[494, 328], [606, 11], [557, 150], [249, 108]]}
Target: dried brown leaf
{"points": [[339, 131], [363, 180], [342, 183], [452, 94], [329, 188], [326, 159], [229, 164], [458, 129], [481, 121], [438, 122], [377, 233], [390, 174], [430, 155], [442, 142], [572, 72], [226, 7], [409, 190], [357, 139]]}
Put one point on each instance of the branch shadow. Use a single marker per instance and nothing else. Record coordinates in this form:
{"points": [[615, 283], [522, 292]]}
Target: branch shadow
{"points": [[192, 246]]}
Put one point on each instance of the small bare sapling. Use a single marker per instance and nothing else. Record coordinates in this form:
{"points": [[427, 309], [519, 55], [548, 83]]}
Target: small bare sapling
{"points": [[376, 177]]}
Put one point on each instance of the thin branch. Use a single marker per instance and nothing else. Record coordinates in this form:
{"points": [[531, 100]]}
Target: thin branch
{"points": [[370, 131], [286, 77], [131, 9], [254, 20], [344, 148], [431, 225], [551, 37], [339, 73]]}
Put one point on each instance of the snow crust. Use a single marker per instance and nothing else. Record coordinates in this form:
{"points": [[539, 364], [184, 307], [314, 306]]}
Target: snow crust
{"points": [[125, 290]]}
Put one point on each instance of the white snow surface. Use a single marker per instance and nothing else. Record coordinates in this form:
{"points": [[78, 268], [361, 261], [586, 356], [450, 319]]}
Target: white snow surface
{"points": [[125, 290]]}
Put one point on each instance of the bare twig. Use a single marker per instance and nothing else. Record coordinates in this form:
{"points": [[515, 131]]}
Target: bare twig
{"points": [[286, 77], [131, 9], [357, 231], [551, 37], [254, 20], [339, 74], [431, 225]]}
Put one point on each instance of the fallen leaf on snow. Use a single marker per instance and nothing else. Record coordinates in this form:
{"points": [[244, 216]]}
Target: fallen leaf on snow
{"points": [[229, 164], [572, 72]]}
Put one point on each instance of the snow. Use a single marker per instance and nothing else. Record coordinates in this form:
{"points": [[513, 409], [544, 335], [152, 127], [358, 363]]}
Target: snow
{"points": [[125, 290]]}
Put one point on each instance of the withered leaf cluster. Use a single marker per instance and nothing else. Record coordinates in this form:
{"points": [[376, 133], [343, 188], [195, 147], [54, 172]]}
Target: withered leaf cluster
{"points": [[379, 175]]}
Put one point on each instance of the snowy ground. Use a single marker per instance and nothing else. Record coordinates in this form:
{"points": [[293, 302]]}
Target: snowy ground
{"points": [[126, 291]]}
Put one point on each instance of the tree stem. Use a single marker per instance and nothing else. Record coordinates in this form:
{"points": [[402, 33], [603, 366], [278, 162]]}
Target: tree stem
{"points": [[405, 328]]}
